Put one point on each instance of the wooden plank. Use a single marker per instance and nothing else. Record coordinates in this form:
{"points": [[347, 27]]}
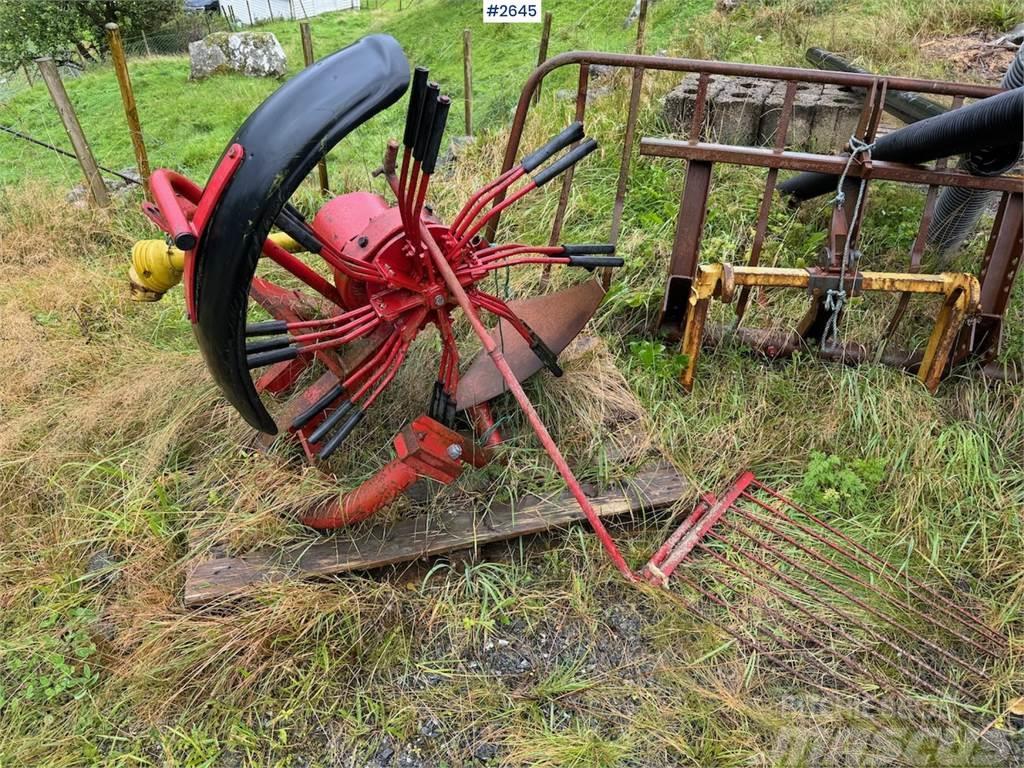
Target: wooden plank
{"points": [[408, 540]]}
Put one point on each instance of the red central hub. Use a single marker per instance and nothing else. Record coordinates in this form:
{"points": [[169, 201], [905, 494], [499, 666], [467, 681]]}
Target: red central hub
{"points": [[365, 228]]}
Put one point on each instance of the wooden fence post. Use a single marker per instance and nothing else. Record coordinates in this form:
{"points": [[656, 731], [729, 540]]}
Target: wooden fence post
{"points": [[467, 77], [307, 54], [131, 113], [542, 54], [248, 9], [24, 68], [270, 7], [97, 189], [145, 43]]}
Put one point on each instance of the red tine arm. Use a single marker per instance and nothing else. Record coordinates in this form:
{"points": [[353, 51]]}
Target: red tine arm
{"points": [[479, 223], [392, 370], [451, 349], [332, 334], [476, 203], [475, 273], [347, 338], [497, 307], [344, 318]]}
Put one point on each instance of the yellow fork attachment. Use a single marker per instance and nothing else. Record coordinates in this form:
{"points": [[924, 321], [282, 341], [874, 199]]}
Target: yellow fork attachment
{"points": [[961, 294]]}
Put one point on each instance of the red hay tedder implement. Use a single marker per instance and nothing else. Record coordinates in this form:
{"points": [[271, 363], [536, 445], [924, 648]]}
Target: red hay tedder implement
{"points": [[396, 269]]}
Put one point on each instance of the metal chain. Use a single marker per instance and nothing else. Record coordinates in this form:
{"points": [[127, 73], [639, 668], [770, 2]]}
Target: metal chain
{"points": [[835, 299]]}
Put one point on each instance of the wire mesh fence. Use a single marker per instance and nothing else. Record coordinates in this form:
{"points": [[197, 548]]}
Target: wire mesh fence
{"points": [[249, 12], [173, 38], [227, 16]]}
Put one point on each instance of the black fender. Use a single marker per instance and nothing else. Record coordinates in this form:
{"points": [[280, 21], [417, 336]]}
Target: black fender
{"points": [[282, 140]]}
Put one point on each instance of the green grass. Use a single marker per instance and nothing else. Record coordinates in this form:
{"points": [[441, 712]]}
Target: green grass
{"points": [[187, 124], [114, 440]]}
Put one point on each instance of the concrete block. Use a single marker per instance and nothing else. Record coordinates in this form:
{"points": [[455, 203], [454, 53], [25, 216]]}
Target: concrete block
{"points": [[736, 110], [745, 111], [680, 103], [805, 102], [836, 118]]}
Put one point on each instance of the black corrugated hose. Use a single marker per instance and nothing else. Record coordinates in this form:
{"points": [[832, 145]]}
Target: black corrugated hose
{"points": [[957, 210], [992, 128]]}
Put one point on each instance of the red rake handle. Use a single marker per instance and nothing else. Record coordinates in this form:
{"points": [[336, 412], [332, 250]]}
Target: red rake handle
{"points": [[452, 281]]}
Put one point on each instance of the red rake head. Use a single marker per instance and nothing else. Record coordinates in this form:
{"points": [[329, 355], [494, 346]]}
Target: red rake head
{"points": [[794, 588]]}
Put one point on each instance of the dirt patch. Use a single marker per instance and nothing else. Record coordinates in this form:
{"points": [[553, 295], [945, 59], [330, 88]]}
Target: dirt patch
{"points": [[973, 56]]}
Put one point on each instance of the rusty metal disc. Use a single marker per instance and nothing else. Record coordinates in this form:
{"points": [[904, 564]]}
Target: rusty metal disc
{"points": [[557, 318]]}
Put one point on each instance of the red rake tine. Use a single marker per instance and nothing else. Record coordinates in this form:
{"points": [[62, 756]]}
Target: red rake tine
{"points": [[780, 618], [653, 571], [856, 579], [691, 537], [758, 647], [900, 651], [852, 598], [761, 583], [951, 609]]}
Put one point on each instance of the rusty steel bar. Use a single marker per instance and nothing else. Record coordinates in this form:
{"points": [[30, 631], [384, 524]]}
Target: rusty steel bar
{"points": [[699, 107], [764, 157], [706, 68], [855, 600], [999, 269], [831, 626], [839, 612], [760, 648], [686, 246], [966, 618], [761, 228], [866, 165], [856, 580]]}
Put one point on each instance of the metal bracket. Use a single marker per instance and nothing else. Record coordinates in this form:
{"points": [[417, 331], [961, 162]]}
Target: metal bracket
{"points": [[819, 281]]}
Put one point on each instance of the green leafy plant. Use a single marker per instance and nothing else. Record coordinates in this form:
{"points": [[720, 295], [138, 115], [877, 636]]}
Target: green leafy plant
{"points": [[54, 668], [834, 484], [654, 356]]}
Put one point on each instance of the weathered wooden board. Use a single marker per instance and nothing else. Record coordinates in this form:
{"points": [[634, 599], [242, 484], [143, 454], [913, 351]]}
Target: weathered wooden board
{"points": [[414, 538]]}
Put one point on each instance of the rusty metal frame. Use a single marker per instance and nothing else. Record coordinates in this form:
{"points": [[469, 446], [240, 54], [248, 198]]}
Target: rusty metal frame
{"points": [[976, 338]]}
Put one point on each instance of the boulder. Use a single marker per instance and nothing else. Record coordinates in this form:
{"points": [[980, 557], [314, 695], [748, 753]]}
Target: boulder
{"points": [[256, 54]]}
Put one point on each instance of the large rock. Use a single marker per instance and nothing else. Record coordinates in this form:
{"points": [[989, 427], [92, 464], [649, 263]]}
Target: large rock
{"points": [[256, 54]]}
